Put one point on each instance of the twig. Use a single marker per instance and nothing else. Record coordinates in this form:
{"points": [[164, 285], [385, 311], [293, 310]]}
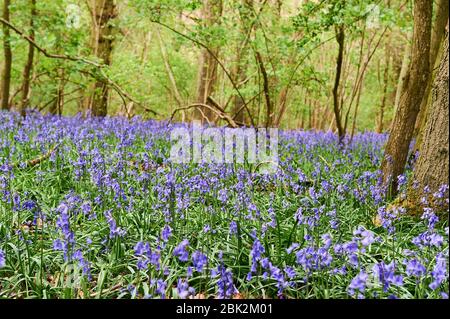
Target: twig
{"points": [[38, 160], [223, 116]]}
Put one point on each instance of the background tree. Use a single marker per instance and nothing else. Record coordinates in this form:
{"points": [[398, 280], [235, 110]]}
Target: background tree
{"points": [[103, 14], [27, 70], [207, 76], [6, 74]]}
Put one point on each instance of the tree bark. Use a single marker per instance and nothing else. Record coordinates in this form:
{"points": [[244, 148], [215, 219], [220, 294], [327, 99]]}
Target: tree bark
{"points": [[436, 41], [105, 12], [340, 37], [432, 167], [29, 64], [397, 147], [6, 76], [402, 74]]}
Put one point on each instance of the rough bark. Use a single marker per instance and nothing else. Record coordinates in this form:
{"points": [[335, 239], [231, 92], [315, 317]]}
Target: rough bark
{"points": [[340, 37], [397, 147], [432, 167], [29, 64], [208, 65], [6, 76], [105, 12], [402, 74], [436, 41]]}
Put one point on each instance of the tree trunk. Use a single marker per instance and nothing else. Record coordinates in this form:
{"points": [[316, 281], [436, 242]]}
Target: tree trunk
{"points": [[340, 37], [432, 167], [6, 76], [29, 64], [380, 118], [207, 77], [402, 74], [397, 147], [436, 41], [246, 15], [173, 83], [105, 12]]}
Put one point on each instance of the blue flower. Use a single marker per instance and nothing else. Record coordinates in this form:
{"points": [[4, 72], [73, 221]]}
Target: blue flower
{"points": [[181, 250], [439, 272], [415, 268], [358, 283], [2, 259], [199, 260]]}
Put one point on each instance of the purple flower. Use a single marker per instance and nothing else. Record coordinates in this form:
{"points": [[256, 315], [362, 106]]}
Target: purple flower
{"points": [[161, 286], [199, 260], [183, 289], [358, 283], [255, 254], [166, 233], [439, 272], [226, 287], [233, 227], [181, 250], [386, 275], [114, 231], [2, 259], [83, 263], [415, 268]]}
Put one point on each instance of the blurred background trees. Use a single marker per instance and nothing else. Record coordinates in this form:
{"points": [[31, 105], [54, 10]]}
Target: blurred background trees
{"points": [[296, 64]]}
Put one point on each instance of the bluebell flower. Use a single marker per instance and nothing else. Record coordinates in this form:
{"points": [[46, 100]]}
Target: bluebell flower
{"points": [[385, 273], [358, 283], [166, 233], [415, 268], [2, 259], [439, 272], [181, 250], [199, 260]]}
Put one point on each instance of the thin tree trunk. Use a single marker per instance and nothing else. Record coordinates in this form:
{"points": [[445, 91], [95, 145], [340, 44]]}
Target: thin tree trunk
{"points": [[397, 147], [380, 118], [6, 76], [173, 83], [246, 15], [29, 64], [207, 78], [432, 167], [340, 37]]}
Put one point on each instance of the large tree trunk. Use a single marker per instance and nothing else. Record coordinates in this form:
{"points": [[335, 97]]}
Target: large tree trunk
{"points": [[436, 41], [29, 64], [6, 76], [397, 147], [340, 37], [432, 167], [207, 77], [104, 13]]}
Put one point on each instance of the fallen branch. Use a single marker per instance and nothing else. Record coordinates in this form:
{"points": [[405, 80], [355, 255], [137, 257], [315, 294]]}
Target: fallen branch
{"points": [[199, 107], [230, 78], [40, 159]]}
